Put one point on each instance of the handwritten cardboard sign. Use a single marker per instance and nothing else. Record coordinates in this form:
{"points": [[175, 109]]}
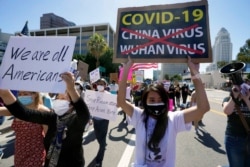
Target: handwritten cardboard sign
{"points": [[35, 63], [83, 69], [163, 33], [101, 104]]}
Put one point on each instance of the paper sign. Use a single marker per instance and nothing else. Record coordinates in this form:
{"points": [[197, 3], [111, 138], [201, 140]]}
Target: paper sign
{"points": [[101, 104], [35, 63], [94, 75], [139, 76]]}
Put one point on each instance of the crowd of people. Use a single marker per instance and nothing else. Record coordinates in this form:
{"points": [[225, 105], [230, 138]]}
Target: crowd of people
{"points": [[53, 124]]}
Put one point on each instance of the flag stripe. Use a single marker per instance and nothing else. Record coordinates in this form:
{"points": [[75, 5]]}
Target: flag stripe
{"points": [[137, 66]]}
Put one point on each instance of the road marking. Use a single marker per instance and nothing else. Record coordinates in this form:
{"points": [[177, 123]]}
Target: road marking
{"points": [[127, 154], [218, 112]]}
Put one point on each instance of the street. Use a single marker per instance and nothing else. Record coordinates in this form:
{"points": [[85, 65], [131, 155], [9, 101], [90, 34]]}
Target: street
{"points": [[205, 149]]}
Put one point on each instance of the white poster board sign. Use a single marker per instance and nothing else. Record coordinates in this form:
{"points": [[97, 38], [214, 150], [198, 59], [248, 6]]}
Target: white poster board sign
{"points": [[139, 76], [101, 104], [35, 63], [94, 75]]}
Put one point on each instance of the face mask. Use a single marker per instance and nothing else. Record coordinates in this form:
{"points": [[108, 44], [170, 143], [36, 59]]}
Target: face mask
{"points": [[156, 109], [60, 106], [25, 100], [100, 88]]}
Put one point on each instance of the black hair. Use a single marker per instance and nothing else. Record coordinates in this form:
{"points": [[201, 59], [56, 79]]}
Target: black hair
{"points": [[162, 120]]}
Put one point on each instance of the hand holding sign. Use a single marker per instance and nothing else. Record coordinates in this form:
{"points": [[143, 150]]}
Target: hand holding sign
{"points": [[35, 63]]}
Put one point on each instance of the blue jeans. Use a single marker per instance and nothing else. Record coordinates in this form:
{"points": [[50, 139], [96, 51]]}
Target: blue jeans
{"points": [[237, 153], [101, 130]]}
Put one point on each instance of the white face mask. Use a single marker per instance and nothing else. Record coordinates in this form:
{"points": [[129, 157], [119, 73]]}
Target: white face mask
{"points": [[100, 88], [60, 106]]}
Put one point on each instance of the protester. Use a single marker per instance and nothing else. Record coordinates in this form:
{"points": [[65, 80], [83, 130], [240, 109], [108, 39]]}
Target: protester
{"points": [[113, 87], [156, 128], [79, 88], [184, 93], [237, 140], [101, 127], [128, 98], [33, 153], [171, 95], [1, 122], [63, 141], [47, 100], [193, 103], [177, 95]]}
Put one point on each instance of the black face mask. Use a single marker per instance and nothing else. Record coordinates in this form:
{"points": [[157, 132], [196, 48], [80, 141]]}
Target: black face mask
{"points": [[156, 109]]}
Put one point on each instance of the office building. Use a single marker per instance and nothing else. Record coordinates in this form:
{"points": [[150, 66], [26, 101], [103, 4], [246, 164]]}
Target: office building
{"points": [[50, 20], [4, 38], [83, 33], [222, 48], [173, 69]]}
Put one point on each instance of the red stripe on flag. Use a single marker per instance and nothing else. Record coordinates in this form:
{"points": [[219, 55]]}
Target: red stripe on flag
{"points": [[137, 66]]}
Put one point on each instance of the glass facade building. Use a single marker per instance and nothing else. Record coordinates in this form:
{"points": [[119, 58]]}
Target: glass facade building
{"points": [[83, 33]]}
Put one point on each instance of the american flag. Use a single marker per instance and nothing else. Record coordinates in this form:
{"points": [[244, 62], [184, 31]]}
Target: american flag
{"points": [[142, 66]]}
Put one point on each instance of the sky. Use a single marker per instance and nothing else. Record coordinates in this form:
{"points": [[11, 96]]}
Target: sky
{"points": [[232, 15]]}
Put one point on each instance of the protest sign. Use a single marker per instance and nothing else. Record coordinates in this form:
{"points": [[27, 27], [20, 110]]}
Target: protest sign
{"points": [[113, 76], [139, 76], [163, 33], [83, 69], [35, 63], [101, 104], [94, 75]]}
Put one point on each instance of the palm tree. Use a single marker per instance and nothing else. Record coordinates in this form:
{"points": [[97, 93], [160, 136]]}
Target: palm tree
{"points": [[97, 46]]}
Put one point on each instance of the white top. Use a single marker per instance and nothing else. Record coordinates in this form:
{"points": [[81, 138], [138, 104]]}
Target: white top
{"points": [[165, 155], [128, 93]]}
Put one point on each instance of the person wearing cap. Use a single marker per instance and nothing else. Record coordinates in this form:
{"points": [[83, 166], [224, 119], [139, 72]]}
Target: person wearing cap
{"points": [[79, 87], [101, 126]]}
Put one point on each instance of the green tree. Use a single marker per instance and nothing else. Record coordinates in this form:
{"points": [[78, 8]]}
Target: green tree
{"points": [[166, 76], [176, 78], [244, 54], [106, 62], [97, 46], [79, 57], [91, 61]]}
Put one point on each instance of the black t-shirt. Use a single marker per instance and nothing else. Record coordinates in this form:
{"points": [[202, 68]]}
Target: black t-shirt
{"points": [[234, 125]]}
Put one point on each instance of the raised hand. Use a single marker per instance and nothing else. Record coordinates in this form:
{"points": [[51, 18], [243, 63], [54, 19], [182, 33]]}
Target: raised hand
{"points": [[128, 64], [194, 67]]}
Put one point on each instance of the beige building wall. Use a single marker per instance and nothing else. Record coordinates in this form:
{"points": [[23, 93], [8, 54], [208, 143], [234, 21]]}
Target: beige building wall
{"points": [[211, 80]]}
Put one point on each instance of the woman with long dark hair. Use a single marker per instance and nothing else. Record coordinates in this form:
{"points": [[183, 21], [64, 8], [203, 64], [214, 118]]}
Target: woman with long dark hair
{"points": [[156, 128]]}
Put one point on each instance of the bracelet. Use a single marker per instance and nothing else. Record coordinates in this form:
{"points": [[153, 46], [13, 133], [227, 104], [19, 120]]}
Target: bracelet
{"points": [[196, 76]]}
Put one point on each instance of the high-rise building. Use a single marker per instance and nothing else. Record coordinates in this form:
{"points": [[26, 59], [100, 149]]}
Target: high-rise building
{"points": [[50, 20], [222, 48]]}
